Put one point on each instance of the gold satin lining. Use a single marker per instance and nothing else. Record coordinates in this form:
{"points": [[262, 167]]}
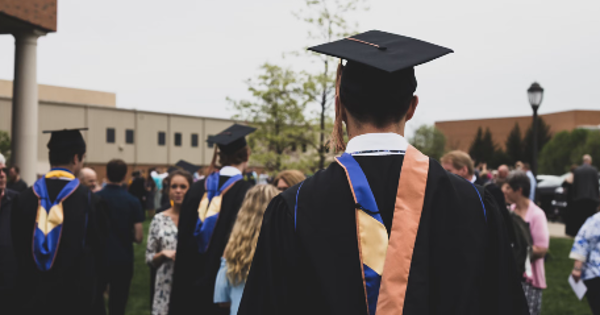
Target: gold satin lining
{"points": [[203, 207], [374, 241], [46, 222], [405, 225], [59, 173]]}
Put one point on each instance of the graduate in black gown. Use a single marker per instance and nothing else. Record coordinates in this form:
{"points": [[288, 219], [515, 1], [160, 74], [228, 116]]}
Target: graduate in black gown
{"points": [[59, 230], [383, 230], [206, 219]]}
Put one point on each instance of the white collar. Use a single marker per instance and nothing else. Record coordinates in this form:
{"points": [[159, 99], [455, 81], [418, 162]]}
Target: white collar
{"points": [[229, 171], [377, 142], [473, 179]]}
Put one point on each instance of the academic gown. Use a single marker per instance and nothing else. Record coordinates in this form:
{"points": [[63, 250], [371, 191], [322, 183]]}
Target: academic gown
{"points": [[71, 286], [194, 274], [307, 259]]}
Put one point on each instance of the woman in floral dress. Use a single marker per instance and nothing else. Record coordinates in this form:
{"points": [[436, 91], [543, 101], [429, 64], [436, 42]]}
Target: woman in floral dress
{"points": [[162, 241]]}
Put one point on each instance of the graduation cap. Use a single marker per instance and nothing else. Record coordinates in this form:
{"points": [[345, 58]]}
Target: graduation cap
{"points": [[66, 139], [187, 166], [380, 65], [232, 139]]}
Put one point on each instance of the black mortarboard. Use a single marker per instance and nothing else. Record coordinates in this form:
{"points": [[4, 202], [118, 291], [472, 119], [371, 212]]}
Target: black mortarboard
{"points": [[232, 139], [66, 139], [379, 65], [187, 166]]}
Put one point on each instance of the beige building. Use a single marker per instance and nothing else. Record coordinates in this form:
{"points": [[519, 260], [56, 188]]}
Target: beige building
{"points": [[142, 139]]}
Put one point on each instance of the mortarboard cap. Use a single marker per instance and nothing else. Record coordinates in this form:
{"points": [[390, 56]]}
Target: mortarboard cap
{"points": [[66, 139], [187, 166], [384, 51], [232, 139]]}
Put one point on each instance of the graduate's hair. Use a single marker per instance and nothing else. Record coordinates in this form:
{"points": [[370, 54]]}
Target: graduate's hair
{"points": [[519, 179], [459, 159], [290, 177], [226, 159], [242, 242], [65, 157]]}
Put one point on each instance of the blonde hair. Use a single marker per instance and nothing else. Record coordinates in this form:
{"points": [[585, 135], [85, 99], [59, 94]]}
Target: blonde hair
{"points": [[290, 177], [242, 242], [459, 159]]}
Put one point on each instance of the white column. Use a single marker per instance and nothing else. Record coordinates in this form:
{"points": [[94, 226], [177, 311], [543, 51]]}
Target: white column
{"points": [[25, 106]]}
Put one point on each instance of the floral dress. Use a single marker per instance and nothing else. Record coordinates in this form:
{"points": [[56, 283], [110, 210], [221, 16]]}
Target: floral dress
{"points": [[161, 236]]}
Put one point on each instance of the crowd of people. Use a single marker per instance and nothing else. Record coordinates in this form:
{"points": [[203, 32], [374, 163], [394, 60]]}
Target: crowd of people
{"points": [[384, 229]]}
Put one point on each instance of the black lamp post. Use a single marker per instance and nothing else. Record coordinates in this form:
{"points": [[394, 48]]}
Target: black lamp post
{"points": [[536, 94]]}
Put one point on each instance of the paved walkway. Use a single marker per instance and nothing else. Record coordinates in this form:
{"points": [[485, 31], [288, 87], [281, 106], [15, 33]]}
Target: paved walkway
{"points": [[557, 229]]}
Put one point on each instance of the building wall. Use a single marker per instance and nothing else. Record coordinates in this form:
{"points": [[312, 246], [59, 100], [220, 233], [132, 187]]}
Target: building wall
{"points": [[40, 13], [461, 133], [64, 95], [146, 138]]}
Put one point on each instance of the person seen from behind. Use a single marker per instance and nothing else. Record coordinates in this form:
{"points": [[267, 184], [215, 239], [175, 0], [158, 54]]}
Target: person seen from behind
{"points": [[516, 190], [586, 193], [125, 217], [162, 241], [287, 179], [586, 253], [8, 263], [237, 258]]}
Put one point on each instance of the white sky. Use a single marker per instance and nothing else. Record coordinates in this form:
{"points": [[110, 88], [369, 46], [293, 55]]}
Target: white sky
{"points": [[186, 56]]}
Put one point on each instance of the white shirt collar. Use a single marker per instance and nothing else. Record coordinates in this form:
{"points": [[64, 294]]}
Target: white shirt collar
{"points": [[377, 142], [229, 171], [473, 179]]}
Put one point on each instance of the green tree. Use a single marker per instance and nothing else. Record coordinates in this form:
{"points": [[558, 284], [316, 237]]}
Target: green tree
{"points": [[5, 144], [543, 136], [562, 151], [326, 23], [429, 140], [475, 151], [514, 145], [278, 112]]}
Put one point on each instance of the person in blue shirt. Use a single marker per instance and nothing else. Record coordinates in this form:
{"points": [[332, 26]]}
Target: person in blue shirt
{"points": [[237, 258], [125, 217], [586, 253]]}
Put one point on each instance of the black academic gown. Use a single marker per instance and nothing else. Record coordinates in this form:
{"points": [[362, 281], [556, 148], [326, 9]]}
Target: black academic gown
{"points": [[194, 274], [461, 264], [72, 285]]}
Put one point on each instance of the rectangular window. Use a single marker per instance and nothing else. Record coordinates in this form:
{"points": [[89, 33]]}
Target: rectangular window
{"points": [[304, 147], [293, 147], [178, 139], [210, 144], [110, 135], [129, 136], [194, 140], [162, 138]]}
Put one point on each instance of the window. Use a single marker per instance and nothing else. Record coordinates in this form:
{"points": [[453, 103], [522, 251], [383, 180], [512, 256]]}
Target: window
{"points": [[194, 140], [178, 139], [129, 136], [293, 147], [110, 135], [210, 144], [161, 138], [304, 147]]}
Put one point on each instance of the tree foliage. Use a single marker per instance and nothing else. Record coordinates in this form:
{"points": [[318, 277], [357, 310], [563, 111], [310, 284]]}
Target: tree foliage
{"points": [[278, 112], [514, 145], [543, 136], [327, 22], [429, 140], [567, 148], [483, 148], [5, 144]]}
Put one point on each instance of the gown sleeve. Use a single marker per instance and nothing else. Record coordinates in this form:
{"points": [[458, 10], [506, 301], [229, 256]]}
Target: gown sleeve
{"points": [[504, 294], [152, 246], [271, 278]]}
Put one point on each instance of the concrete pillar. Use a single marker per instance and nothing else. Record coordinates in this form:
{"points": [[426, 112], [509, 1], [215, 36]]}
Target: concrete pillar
{"points": [[25, 106]]}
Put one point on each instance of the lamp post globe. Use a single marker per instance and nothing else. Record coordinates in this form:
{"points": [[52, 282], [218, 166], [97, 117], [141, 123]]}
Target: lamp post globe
{"points": [[536, 95]]}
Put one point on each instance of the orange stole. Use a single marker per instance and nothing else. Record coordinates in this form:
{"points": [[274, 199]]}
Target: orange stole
{"points": [[405, 225]]}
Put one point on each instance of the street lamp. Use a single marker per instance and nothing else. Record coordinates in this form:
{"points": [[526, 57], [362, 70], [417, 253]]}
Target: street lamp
{"points": [[536, 94]]}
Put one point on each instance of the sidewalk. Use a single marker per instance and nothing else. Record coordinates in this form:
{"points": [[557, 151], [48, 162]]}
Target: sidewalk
{"points": [[557, 229]]}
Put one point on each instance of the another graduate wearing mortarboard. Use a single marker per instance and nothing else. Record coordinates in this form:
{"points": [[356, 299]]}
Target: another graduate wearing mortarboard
{"points": [[59, 233], [384, 229], [207, 217]]}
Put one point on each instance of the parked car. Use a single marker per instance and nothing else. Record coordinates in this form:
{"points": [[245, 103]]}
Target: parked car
{"points": [[550, 195]]}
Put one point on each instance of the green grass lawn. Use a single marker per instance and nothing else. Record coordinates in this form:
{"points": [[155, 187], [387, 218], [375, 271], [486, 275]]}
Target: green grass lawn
{"points": [[558, 299]]}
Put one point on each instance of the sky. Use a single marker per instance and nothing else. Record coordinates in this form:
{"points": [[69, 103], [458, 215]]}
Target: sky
{"points": [[188, 56]]}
